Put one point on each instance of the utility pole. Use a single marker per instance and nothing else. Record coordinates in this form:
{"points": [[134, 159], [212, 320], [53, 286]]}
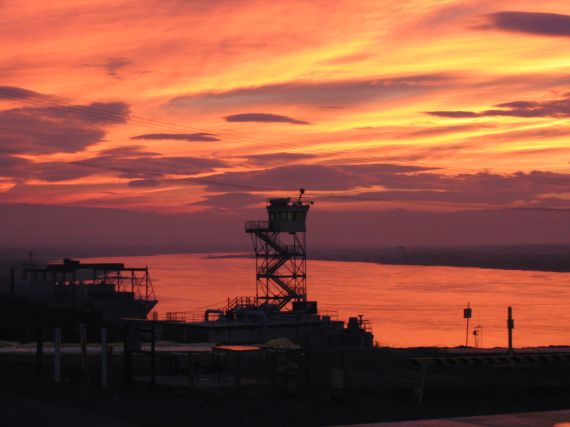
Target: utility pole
{"points": [[510, 326], [467, 312]]}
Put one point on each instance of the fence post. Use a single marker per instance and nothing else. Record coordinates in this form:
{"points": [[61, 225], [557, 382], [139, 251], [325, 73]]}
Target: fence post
{"points": [[109, 363], [191, 372], [421, 383], [39, 352], [338, 377], [104, 358], [57, 356], [83, 343], [153, 354], [238, 366]]}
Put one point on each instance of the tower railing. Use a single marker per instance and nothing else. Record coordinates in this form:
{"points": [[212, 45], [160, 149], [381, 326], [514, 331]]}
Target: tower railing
{"points": [[291, 201], [256, 225]]}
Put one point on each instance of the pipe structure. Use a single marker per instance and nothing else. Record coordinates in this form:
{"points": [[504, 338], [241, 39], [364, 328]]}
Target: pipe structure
{"points": [[212, 311]]}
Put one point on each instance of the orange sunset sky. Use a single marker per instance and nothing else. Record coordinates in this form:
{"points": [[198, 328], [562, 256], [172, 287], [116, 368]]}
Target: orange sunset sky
{"points": [[178, 106]]}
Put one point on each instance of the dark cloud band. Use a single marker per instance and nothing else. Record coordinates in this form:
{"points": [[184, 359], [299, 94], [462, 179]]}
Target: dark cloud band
{"points": [[199, 137], [264, 118], [544, 24], [556, 108]]}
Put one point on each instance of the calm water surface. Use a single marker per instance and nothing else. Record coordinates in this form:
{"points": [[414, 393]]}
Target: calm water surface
{"points": [[408, 305]]}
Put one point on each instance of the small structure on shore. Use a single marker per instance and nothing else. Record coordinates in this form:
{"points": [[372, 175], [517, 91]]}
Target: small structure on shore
{"points": [[109, 288], [70, 292]]}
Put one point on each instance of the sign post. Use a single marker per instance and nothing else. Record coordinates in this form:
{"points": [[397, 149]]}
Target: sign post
{"points": [[467, 313]]}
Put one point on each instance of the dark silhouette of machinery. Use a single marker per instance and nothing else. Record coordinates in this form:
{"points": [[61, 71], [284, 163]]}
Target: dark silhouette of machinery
{"points": [[281, 254]]}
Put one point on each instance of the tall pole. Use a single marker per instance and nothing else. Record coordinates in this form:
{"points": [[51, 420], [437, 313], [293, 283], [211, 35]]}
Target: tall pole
{"points": [[57, 356], [104, 364], [12, 280], [83, 344], [153, 354], [39, 352], [467, 315], [510, 326]]}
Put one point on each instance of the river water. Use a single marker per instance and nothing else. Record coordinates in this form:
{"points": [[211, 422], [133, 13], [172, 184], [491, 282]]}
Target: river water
{"points": [[408, 305]]}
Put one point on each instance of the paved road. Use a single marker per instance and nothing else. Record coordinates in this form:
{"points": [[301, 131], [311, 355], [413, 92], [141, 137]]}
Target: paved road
{"points": [[527, 419]]}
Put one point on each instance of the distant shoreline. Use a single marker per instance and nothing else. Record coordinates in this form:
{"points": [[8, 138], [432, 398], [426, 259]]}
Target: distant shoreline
{"points": [[478, 258], [487, 258], [555, 258]]}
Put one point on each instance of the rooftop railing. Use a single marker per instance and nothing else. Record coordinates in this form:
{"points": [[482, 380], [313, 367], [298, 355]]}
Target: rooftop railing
{"points": [[288, 201], [256, 226]]}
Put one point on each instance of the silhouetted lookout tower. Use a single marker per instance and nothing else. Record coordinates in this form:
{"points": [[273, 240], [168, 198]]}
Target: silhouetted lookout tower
{"points": [[280, 252]]}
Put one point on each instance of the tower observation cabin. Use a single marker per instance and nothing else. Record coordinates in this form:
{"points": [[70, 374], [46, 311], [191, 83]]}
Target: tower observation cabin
{"points": [[280, 251]]}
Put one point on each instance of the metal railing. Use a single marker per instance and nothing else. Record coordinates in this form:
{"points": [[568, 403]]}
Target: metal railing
{"points": [[366, 325], [181, 316], [241, 302], [289, 201], [256, 225], [333, 314]]}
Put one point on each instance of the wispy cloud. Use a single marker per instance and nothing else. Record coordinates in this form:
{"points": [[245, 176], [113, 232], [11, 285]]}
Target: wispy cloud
{"points": [[11, 92], [199, 136], [42, 130], [337, 93], [278, 158], [399, 183], [264, 118], [536, 23], [556, 108], [114, 65]]}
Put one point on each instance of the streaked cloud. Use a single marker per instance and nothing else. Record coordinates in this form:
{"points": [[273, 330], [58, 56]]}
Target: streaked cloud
{"points": [[144, 183], [42, 130], [315, 177], [338, 93], [11, 92], [278, 158], [399, 183], [536, 23], [145, 167], [556, 108], [199, 136], [264, 118]]}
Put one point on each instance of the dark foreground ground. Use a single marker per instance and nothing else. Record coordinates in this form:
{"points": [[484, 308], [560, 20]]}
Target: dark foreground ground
{"points": [[379, 387]]}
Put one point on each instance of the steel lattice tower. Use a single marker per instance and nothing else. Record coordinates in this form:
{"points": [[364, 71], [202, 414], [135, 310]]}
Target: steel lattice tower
{"points": [[280, 252]]}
